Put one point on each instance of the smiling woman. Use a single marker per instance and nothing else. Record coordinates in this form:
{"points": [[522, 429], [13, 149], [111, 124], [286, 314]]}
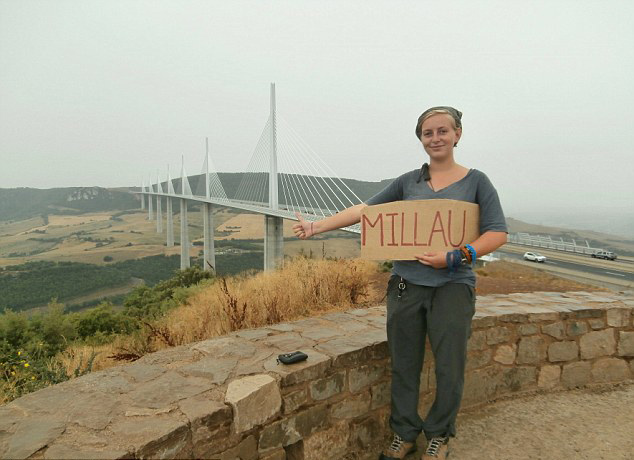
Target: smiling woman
{"points": [[434, 294]]}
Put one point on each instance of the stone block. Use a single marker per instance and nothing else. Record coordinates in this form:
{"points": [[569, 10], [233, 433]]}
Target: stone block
{"points": [[205, 416], [349, 351], [246, 450], [505, 354], [498, 335], [596, 323], [626, 343], [555, 330], [516, 378], [31, 435], [576, 328], [255, 399], [278, 454], [291, 430], [619, 317], [513, 318], [215, 370], [563, 351], [481, 385], [163, 437], [528, 329], [366, 432], [531, 350], [381, 394], [312, 368], [597, 343], [352, 406], [588, 313], [549, 376], [610, 370], [477, 341], [330, 443], [167, 389], [575, 374], [294, 400], [484, 322], [477, 359], [327, 387], [539, 317], [364, 376]]}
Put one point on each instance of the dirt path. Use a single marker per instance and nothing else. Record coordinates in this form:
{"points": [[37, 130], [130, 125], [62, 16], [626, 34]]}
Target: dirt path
{"points": [[578, 424]]}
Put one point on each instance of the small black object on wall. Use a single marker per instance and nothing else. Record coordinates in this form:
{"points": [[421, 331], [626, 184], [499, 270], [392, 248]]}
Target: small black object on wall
{"points": [[290, 358]]}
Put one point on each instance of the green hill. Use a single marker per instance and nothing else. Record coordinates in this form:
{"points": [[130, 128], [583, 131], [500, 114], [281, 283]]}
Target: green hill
{"points": [[24, 203]]}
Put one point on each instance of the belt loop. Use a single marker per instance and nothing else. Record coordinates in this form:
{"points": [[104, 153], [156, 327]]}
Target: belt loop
{"points": [[401, 287]]}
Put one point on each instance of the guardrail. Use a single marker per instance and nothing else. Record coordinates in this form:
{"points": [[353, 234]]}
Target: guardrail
{"points": [[541, 241]]}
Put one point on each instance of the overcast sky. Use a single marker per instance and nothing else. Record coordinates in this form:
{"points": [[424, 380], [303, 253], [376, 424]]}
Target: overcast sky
{"points": [[107, 92]]}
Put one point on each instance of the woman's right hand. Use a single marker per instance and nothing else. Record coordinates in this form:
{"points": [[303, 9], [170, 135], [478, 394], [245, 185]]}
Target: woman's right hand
{"points": [[303, 229]]}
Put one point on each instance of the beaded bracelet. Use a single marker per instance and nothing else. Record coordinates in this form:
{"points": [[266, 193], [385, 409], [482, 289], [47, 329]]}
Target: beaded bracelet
{"points": [[474, 254]]}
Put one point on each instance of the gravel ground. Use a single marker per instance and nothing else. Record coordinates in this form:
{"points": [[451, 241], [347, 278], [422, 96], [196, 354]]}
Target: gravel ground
{"points": [[578, 424]]}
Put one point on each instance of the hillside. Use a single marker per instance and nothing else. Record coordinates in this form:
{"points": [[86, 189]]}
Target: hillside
{"points": [[24, 203]]}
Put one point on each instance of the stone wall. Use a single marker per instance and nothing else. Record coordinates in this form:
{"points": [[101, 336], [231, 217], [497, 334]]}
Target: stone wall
{"points": [[227, 398]]}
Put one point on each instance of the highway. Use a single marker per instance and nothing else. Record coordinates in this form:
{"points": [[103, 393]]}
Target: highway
{"points": [[622, 270]]}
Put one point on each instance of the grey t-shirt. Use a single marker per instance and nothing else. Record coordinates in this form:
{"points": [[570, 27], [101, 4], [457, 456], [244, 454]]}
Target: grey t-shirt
{"points": [[475, 187]]}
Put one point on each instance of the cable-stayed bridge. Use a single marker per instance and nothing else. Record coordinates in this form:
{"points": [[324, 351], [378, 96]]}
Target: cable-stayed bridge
{"points": [[284, 176]]}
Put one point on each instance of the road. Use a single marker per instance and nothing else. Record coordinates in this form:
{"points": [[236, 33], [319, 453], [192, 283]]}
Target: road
{"points": [[618, 269]]}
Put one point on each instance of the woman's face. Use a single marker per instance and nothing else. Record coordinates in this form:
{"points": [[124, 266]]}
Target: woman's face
{"points": [[439, 136]]}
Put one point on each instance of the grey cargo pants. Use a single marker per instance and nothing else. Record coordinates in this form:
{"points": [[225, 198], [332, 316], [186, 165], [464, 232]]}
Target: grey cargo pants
{"points": [[445, 313]]}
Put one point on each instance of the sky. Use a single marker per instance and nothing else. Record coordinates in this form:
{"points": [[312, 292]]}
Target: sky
{"points": [[107, 93]]}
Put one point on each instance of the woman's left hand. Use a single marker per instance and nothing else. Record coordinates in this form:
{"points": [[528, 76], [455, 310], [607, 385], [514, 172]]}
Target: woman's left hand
{"points": [[436, 259]]}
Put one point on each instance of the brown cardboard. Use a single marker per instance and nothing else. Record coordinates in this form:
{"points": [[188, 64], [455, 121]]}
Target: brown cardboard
{"points": [[400, 229]]}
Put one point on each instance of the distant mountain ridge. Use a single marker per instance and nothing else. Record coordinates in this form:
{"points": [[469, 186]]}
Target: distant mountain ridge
{"points": [[24, 203]]}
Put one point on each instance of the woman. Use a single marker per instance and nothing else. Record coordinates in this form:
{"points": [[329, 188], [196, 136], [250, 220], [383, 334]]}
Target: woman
{"points": [[434, 294]]}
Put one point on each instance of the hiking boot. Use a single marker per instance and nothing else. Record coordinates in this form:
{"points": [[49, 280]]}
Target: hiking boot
{"points": [[398, 449], [437, 448]]}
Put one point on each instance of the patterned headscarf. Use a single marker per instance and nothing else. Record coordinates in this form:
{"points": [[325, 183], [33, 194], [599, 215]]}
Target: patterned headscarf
{"points": [[455, 114]]}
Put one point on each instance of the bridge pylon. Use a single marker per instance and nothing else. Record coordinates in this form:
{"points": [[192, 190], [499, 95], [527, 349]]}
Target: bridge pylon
{"points": [[184, 224], [273, 225], [170, 215], [209, 253]]}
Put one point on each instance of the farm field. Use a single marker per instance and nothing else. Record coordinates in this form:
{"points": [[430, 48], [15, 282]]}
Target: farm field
{"points": [[88, 238]]}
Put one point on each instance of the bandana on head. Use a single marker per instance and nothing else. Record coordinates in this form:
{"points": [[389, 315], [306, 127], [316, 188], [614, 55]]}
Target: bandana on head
{"points": [[455, 114]]}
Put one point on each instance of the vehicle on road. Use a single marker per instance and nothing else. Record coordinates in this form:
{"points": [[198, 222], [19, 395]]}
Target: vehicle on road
{"points": [[534, 256], [608, 255]]}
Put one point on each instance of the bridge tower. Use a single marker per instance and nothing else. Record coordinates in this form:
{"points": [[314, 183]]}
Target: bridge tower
{"points": [[150, 211], [168, 211], [209, 254], [184, 224], [143, 196], [273, 225], [159, 201]]}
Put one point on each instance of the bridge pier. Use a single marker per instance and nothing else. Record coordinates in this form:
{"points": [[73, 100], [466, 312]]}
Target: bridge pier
{"points": [[159, 214], [150, 211], [170, 223], [184, 236], [142, 202], [273, 242], [209, 257]]}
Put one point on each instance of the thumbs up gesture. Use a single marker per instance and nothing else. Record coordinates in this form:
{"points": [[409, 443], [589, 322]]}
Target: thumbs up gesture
{"points": [[303, 229]]}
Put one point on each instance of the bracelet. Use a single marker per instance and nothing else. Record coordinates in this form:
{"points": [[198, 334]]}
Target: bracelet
{"points": [[474, 254], [454, 260], [466, 253]]}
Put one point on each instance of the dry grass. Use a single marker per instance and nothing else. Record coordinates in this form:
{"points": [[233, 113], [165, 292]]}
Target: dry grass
{"points": [[302, 288]]}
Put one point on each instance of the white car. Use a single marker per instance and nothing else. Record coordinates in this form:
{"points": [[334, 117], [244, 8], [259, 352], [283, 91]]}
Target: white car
{"points": [[534, 256]]}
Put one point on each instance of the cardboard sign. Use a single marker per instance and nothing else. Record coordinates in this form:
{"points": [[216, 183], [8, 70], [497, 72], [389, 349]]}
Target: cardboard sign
{"points": [[400, 229]]}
